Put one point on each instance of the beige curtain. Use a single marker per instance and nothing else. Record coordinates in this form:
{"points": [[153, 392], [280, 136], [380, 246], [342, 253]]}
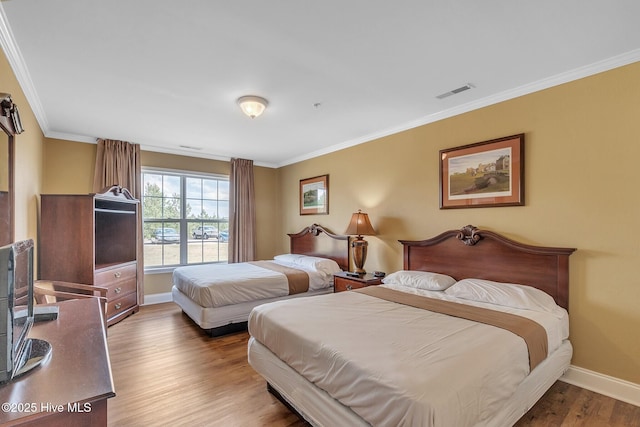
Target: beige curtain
{"points": [[242, 213], [118, 163]]}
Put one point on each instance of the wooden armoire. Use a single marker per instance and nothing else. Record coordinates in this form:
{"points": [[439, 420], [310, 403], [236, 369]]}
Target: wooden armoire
{"points": [[92, 239]]}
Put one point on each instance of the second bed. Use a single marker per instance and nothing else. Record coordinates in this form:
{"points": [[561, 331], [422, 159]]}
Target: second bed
{"points": [[219, 297]]}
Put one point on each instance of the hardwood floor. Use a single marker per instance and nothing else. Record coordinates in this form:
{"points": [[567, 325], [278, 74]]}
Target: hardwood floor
{"points": [[168, 372]]}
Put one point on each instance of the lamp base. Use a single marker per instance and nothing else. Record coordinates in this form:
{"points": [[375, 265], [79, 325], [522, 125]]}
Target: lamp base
{"points": [[359, 253]]}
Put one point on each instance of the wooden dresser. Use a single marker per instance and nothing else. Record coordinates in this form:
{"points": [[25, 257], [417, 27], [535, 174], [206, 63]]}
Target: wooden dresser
{"points": [[72, 387], [92, 239]]}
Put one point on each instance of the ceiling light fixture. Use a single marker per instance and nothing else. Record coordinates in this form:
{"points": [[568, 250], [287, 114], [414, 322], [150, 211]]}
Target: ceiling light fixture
{"points": [[252, 106]]}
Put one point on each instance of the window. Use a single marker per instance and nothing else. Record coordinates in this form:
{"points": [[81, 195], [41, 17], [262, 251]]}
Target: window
{"points": [[185, 218]]}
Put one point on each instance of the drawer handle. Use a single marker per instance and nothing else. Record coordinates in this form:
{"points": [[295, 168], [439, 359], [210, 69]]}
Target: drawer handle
{"points": [[117, 274], [349, 287], [117, 290], [118, 305]]}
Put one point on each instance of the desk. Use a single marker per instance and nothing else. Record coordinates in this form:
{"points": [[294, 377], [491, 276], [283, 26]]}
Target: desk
{"points": [[72, 387]]}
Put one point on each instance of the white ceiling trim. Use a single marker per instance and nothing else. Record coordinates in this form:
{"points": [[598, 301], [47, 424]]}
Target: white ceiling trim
{"points": [[70, 136], [578, 73], [8, 43], [198, 154]]}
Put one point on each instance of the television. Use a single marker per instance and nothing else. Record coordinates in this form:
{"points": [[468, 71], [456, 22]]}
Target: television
{"points": [[18, 354]]}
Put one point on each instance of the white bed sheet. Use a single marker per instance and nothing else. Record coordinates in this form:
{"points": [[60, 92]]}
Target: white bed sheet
{"points": [[400, 370], [217, 285]]}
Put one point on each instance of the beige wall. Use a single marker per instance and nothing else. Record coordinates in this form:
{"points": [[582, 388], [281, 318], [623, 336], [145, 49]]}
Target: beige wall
{"points": [[28, 157], [582, 149], [69, 167]]}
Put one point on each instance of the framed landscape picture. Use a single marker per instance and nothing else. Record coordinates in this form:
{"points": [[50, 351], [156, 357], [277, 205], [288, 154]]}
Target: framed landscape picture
{"points": [[484, 174], [314, 195]]}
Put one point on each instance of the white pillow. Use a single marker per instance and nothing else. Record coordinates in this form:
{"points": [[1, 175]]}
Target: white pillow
{"points": [[323, 265], [287, 257], [420, 279], [505, 294]]}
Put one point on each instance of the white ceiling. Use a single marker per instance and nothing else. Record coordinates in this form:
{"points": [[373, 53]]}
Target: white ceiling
{"points": [[166, 74]]}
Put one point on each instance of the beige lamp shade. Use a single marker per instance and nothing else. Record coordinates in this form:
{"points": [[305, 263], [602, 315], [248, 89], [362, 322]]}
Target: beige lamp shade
{"points": [[359, 226]]}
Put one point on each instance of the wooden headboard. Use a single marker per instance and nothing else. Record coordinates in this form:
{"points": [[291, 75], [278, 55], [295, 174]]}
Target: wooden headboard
{"points": [[470, 252], [316, 240]]}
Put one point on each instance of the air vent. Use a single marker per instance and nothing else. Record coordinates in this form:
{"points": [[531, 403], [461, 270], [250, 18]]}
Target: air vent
{"points": [[190, 147], [455, 91]]}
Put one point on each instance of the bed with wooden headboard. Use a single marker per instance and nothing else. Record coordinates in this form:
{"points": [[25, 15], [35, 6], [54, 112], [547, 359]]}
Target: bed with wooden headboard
{"points": [[190, 290], [392, 362], [483, 254]]}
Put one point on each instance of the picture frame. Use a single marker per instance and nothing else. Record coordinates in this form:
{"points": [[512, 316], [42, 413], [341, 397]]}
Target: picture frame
{"points": [[483, 174], [314, 195]]}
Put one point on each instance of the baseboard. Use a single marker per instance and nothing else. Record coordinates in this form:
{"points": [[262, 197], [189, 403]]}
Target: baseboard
{"points": [[616, 388], [157, 298]]}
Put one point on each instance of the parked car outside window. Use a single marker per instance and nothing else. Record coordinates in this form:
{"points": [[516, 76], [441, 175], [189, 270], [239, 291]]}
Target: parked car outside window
{"points": [[205, 233], [223, 236], [165, 235]]}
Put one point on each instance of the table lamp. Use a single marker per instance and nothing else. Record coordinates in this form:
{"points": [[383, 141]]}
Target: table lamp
{"points": [[359, 226]]}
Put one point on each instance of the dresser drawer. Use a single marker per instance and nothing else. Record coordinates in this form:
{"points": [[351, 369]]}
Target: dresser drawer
{"points": [[119, 305], [108, 276], [121, 288], [341, 285]]}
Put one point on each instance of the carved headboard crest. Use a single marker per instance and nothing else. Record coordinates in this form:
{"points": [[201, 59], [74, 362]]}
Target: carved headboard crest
{"points": [[469, 235], [116, 191], [315, 240], [315, 229]]}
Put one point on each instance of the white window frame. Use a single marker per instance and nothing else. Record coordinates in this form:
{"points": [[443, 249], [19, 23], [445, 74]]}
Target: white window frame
{"points": [[183, 221]]}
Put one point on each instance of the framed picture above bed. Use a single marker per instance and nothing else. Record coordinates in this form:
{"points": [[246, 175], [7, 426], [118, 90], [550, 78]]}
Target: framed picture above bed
{"points": [[314, 195], [484, 174]]}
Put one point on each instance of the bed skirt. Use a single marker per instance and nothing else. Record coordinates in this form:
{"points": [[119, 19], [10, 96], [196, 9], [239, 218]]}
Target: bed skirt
{"points": [[216, 317]]}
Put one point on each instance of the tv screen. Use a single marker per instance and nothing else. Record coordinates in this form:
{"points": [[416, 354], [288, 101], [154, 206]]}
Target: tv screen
{"points": [[16, 305]]}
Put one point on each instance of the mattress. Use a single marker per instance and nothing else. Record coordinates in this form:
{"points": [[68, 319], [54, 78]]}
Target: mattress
{"points": [[318, 408], [215, 317], [217, 285], [408, 366]]}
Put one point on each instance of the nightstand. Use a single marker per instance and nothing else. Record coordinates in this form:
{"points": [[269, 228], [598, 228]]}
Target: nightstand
{"points": [[342, 282]]}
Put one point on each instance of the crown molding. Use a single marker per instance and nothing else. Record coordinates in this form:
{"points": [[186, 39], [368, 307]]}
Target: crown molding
{"points": [[198, 154], [575, 74], [70, 137], [8, 44], [10, 47]]}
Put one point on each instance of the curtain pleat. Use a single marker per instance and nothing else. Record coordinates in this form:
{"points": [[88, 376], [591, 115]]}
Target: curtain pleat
{"points": [[118, 163], [242, 215]]}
